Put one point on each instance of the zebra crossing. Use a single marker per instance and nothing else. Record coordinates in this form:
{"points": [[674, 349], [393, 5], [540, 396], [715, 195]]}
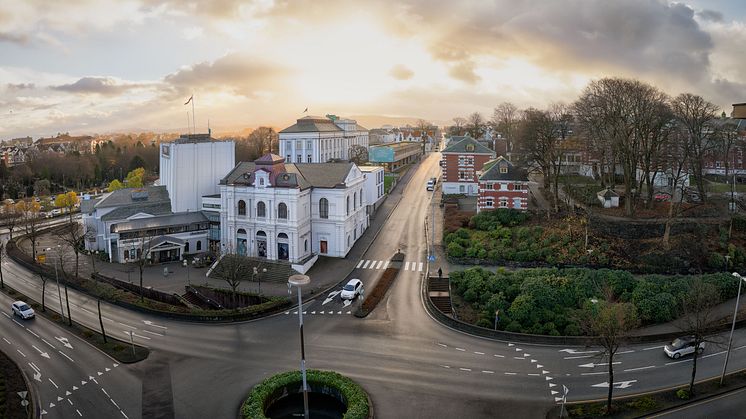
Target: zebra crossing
{"points": [[383, 264]]}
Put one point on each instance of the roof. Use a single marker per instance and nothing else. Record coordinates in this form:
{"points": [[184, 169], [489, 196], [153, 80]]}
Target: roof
{"points": [[312, 124], [134, 196], [607, 193], [295, 175], [370, 168], [463, 145], [269, 158], [164, 239], [181, 218], [125, 212], [491, 171], [87, 205]]}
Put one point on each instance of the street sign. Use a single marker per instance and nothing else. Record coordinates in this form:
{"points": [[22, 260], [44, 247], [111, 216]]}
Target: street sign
{"points": [[431, 258], [41, 258]]}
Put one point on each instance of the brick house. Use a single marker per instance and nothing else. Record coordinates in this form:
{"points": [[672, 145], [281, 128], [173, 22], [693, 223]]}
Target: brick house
{"points": [[502, 185], [461, 162]]}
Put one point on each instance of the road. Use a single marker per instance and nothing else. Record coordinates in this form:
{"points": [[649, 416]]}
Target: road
{"points": [[728, 405], [411, 365]]}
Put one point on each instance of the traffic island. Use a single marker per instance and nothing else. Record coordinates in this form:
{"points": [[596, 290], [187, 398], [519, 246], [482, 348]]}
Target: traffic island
{"points": [[382, 286], [15, 399], [331, 395]]}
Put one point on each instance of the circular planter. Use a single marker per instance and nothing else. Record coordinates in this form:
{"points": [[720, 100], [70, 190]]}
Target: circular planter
{"points": [[335, 395]]}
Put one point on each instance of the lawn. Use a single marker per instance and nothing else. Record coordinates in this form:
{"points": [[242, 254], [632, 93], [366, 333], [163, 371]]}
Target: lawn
{"points": [[716, 187], [388, 180]]}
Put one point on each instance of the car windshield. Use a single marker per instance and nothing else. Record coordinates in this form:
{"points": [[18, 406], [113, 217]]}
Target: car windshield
{"points": [[349, 287], [678, 343], [23, 307]]}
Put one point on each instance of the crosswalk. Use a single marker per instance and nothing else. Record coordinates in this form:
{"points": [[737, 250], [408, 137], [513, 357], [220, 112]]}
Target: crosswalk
{"points": [[383, 264]]}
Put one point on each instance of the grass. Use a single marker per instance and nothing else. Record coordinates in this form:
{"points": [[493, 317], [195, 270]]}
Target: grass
{"points": [[388, 180], [724, 187]]}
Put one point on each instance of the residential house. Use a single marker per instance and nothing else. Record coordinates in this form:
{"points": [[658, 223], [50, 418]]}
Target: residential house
{"points": [[462, 160], [502, 185]]}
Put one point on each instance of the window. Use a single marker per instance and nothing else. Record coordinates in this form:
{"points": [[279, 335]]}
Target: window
{"points": [[261, 209], [287, 158], [517, 187], [503, 169], [348, 205], [354, 201], [489, 203], [310, 159], [282, 211], [503, 203], [186, 247], [126, 254], [305, 245], [199, 245], [242, 207], [299, 159], [470, 147], [323, 208], [361, 197]]}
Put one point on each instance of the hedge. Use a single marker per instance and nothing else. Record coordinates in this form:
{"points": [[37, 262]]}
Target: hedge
{"points": [[354, 395]]}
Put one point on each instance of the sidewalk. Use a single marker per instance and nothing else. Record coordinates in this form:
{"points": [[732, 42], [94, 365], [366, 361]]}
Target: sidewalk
{"points": [[325, 273]]}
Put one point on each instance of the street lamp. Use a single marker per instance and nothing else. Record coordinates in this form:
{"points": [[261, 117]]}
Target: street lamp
{"points": [[256, 275], [733, 325], [57, 279], [299, 281]]}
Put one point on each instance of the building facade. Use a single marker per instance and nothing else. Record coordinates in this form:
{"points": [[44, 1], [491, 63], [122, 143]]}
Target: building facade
{"points": [[315, 139], [461, 163], [502, 185], [292, 211], [373, 188], [395, 156], [191, 167]]}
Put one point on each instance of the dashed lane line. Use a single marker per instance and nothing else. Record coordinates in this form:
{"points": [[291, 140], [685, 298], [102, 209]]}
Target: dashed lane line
{"points": [[32, 332], [488, 372], [461, 349], [7, 341], [578, 357], [499, 356], [511, 373], [19, 351], [677, 362], [595, 373], [443, 345], [152, 333], [63, 354], [654, 347], [53, 383], [639, 368], [45, 341], [465, 369], [479, 353], [79, 414]]}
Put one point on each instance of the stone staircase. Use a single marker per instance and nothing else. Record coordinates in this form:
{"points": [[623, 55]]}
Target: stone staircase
{"points": [[439, 293], [277, 272]]}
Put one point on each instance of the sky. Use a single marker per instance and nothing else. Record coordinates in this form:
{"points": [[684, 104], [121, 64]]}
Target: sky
{"points": [[88, 67]]}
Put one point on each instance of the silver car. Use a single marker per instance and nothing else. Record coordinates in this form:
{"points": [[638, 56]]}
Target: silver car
{"points": [[682, 346], [22, 310]]}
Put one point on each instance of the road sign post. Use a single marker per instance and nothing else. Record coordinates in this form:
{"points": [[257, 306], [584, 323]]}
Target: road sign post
{"points": [[132, 341], [564, 400]]}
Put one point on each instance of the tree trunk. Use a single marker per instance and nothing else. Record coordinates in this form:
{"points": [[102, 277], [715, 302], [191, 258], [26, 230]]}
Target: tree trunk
{"points": [[43, 291], [142, 298], [694, 372], [611, 385], [76, 264]]}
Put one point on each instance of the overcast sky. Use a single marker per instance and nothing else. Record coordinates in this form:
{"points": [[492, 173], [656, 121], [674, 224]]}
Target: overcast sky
{"points": [[100, 66]]}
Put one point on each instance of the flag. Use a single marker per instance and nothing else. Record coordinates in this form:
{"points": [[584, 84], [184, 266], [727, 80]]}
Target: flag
{"points": [[305, 110], [190, 99]]}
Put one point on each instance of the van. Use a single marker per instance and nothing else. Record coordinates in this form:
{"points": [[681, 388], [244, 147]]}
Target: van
{"points": [[431, 184]]}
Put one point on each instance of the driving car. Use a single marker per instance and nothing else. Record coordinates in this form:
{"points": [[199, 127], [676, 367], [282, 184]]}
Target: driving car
{"points": [[352, 289], [22, 310], [682, 346], [431, 184]]}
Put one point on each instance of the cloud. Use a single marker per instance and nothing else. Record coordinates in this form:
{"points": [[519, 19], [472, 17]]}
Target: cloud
{"points": [[401, 72], [710, 15], [22, 39], [237, 73], [20, 86], [106, 86], [464, 71]]}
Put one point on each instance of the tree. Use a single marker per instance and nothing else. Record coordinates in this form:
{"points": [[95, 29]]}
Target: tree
{"points": [[115, 185], [2, 250], [233, 268], [540, 136], [41, 187], [135, 178], [475, 125], [458, 126], [137, 161], [358, 154], [725, 142], [679, 149], [10, 217], [696, 114], [68, 201], [505, 120], [699, 317], [611, 322], [72, 236], [143, 248], [30, 220]]}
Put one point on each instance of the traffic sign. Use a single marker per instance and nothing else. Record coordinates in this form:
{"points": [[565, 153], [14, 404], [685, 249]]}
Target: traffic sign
{"points": [[431, 258]]}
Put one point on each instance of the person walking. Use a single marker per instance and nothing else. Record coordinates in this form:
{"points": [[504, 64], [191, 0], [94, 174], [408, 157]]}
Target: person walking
{"points": [[440, 273]]}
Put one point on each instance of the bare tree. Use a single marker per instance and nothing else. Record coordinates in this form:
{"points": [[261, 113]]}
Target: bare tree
{"points": [[653, 124], [30, 218], [540, 137], [505, 120], [699, 317], [10, 218], [423, 126], [2, 251], [233, 268], [72, 236], [696, 114], [611, 322], [726, 140], [90, 235], [458, 126], [143, 248], [358, 154], [475, 125], [677, 156]]}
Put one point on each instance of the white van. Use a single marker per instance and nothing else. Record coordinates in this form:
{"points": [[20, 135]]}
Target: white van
{"points": [[431, 184]]}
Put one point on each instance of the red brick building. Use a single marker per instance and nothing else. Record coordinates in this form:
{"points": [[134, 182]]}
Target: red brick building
{"points": [[502, 185], [462, 161]]}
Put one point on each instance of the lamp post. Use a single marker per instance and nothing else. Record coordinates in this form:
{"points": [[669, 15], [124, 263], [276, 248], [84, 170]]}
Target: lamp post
{"points": [[733, 325], [259, 277], [57, 279], [299, 281]]}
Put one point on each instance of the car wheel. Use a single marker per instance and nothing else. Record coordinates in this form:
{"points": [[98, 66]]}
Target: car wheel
{"points": [[700, 350], [676, 355]]}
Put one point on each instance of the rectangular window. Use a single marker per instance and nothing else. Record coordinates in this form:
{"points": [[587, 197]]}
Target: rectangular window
{"points": [[310, 160], [489, 203], [517, 187], [309, 144], [299, 159], [287, 158], [503, 203], [504, 169]]}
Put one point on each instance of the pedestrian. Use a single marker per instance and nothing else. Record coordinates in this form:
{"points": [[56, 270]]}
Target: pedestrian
{"points": [[440, 273]]}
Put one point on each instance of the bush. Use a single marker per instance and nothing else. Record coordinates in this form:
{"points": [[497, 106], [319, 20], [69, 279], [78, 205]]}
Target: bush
{"points": [[683, 394], [644, 404], [355, 396], [455, 250]]}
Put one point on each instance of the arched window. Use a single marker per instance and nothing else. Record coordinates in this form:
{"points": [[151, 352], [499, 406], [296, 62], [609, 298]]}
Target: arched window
{"points": [[242, 207], [354, 201], [305, 246], [348, 205], [186, 247], [282, 210], [199, 245], [282, 236], [323, 208], [126, 254], [261, 209], [361, 198]]}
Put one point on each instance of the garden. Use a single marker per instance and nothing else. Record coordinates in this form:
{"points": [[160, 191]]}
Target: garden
{"points": [[552, 301]]}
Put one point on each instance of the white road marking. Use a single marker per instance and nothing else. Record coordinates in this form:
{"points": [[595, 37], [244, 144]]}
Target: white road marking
{"points": [[465, 369], [488, 372], [53, 383], [595, 373], [461, 349], [150, 323], [115, 403], [19, 351], [677, 362], [373, 265], [366, 264], [510, 373], [63, 354], [32, 332], [379, 265], [125, 416], [534, 375], [499, 356], [6, 315], [443, 345], [135, 334], [7, 341], [360, 263], [592, 365], [446, 366], [575, 352], [654, 347], [421, 265], [479, 353], [152, 333], [578, 357], [640, 368], [79, 414], [386, 265], [128, 326], [716, 353], [70, 401], [517, 357], [44, 340], [406, 266], [625, 352], [107, 394], [740, 347]]}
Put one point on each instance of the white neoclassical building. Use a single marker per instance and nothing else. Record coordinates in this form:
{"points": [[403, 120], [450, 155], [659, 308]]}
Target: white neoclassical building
{"points": [[317, 139], [292, 211]]}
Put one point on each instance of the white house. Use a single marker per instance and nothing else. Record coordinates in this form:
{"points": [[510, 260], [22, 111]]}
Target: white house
{"points": [[373, 188], [315, 139], [292, 211], [191, 167]]}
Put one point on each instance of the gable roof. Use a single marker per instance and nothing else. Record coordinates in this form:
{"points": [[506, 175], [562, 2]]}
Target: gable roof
{"points": [[461, 146], [134, 196], [491, 171], [324, 175], [312, 124], [122, 213], [296, 175]]}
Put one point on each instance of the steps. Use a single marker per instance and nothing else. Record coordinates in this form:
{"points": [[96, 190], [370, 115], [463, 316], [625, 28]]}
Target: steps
{"points": [[439, 293], [277, 272]]}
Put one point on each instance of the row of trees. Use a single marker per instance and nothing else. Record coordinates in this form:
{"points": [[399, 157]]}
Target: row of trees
{"points": [[625, 125]]}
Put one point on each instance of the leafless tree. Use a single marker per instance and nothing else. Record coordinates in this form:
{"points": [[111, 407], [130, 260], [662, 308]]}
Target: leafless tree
{"points": [[475, 125], [424, 127], [233, 268], [72, 236], [540, 138], [2, 253], [677, 156], [90, 235], [30, 219], [10, 217], [458, 126], [696, 114], [699, 317], [505, 119], [358, 154], [143, 245], [726, 140]]}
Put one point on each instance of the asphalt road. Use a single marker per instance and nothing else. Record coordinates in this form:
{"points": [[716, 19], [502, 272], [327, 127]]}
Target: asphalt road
{"points": [[411, 365], [728, 405]]}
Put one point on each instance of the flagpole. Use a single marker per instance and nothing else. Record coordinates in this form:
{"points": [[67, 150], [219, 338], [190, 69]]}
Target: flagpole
{"points": [[189, 129], [193, 124]]}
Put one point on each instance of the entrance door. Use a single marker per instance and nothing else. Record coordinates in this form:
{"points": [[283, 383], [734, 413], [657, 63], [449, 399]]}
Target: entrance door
{"points": [[322, 247], [283, 252], [261, 248]]}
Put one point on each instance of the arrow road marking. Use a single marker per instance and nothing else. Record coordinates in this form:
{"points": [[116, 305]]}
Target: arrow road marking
{"points": [[554, 392], [591, 365], [575, 352], [558, 399], [64, 341], [331, 297], [54, 384], [149, 323], [37, 372], [552, 385], [346, 303], [617, 384]]}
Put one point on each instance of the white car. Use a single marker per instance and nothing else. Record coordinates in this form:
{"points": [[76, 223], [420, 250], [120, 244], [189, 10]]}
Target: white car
{"points": [[22, 310], [431, 184], [682, 346], [353, 288]]}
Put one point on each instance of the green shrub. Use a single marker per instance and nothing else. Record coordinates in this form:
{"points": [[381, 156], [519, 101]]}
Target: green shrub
{"points": [[683, 394], [644, 403], [455, 250]]}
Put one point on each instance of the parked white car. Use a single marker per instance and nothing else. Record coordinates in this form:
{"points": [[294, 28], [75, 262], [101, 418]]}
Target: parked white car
{"points": [[682, 346], [22, 310], [352, 289]]}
